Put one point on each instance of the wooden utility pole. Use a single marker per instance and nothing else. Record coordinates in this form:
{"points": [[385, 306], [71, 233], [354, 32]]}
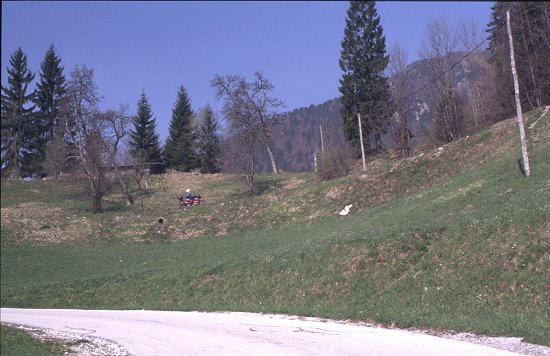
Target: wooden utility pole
{"points": [[322, 141], [518, 103], [362, 146], [315, 161]]}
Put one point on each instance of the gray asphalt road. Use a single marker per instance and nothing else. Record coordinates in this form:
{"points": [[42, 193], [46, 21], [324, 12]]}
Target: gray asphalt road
{"points": [[193, 333]]}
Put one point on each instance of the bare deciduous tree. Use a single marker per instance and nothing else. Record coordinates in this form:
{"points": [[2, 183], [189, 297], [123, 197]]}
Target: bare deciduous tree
{"points": [[252, 114], [83, 130], [140, 170], [469, 35], [401, 87], [117, 125], [478, 110], [437, 50]]}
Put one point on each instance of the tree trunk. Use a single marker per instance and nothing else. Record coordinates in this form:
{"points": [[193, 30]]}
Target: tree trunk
{"points": [[127, 195], [378, 141], [273, 165], [15, 170], [530, 51], [250, 176], [545, 5], [95, 193]]}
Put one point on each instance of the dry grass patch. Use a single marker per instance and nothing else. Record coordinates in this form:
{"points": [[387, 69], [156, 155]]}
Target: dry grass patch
{"points": [[293, 183], [37, 223], [206, 279]]}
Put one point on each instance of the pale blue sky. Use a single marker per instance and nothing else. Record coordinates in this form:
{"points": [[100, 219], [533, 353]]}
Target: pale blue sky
{"points": [[158, 46]]}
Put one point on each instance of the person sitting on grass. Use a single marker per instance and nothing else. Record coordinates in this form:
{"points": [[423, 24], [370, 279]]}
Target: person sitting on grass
{"points": [[188, 195], [191, 199]]}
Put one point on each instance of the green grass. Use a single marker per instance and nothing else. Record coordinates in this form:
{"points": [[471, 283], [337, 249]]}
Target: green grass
{"points": [[16, 342], [461, 245]]}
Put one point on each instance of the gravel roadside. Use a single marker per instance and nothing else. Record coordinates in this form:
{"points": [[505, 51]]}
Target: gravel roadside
{"points": [[88, 345]]}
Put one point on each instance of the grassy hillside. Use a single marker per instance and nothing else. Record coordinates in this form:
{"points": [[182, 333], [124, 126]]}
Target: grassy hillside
{"points": [[18, 342], [455, 238]]}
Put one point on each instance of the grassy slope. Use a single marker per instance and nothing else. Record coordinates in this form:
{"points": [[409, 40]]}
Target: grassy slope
{"points": [[15, 342], [455, 238]]}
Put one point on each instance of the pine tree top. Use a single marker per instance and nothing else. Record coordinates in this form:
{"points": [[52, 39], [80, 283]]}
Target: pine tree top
{"points": [[144, 141]]}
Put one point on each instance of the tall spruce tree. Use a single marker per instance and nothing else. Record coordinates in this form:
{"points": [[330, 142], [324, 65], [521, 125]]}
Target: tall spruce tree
{"points": [[144, 140], [180, 145], [50, 91], [209, 141], [18, 123], [363, 86]]}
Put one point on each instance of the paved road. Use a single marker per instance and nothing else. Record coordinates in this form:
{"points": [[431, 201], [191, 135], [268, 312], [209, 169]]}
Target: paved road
{"points": [[193, 333]]}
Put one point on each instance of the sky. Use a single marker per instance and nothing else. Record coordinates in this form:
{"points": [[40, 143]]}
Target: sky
{"points": [[158, 46]]}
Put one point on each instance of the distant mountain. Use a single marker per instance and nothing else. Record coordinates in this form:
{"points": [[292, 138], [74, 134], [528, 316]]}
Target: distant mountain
{"points": [[300, 137], [296, 141]]}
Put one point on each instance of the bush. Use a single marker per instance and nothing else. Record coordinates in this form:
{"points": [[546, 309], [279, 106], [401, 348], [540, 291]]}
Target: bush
{"points": [[157, 168], [333, 164]]}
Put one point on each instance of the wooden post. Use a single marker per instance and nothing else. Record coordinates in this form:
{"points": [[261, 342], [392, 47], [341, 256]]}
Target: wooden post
{"points": [[315, 161], [322, 142], [362, 146], [518, 103]]}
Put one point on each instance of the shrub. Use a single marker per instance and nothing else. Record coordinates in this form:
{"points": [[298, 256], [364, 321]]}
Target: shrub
{"points": [[333, 164]]}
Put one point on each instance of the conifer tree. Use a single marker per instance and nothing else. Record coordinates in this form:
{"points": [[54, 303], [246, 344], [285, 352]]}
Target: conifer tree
{"points": [[180, 148], [209, 141], [17, 118], [363, 86], [144, 140], [50, 91]]}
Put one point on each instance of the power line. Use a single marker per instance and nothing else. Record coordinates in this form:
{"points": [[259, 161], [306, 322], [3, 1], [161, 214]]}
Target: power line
{"points": [[460, 60], [443, 73]]}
